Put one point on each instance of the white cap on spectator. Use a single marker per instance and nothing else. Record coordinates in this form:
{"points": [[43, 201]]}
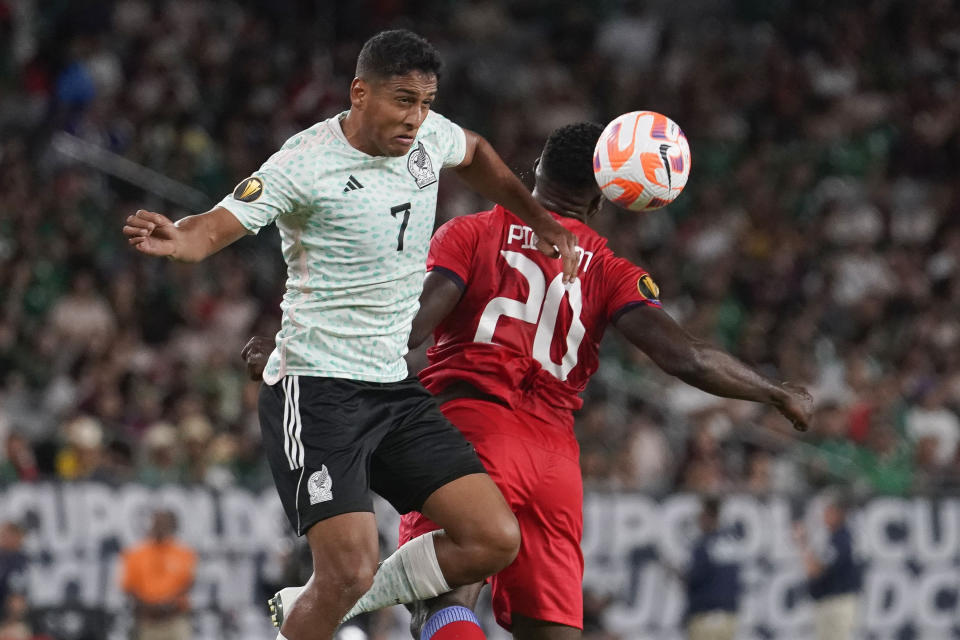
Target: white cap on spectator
{"points": [[195, 428], [160, 435], [85, 432]]}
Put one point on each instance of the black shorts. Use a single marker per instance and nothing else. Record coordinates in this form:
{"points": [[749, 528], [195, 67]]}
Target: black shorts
{"points": [[329, 441]]}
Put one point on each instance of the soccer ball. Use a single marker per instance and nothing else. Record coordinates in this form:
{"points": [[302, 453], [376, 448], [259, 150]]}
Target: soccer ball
{"points": [[642, 161]]}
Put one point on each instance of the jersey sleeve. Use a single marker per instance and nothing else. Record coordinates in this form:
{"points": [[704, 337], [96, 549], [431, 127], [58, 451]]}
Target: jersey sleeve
{"points": [[451, 139], [275, 189], [452, 249], [627, 286]]}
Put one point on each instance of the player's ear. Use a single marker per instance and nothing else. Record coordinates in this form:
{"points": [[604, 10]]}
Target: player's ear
{"points": [[594, 207], [536, 163], [359, 93]]}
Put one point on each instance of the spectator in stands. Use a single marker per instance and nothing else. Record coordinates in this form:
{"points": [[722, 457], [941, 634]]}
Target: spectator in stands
{"points": [[14, 624], [161, 463], [158, 575], [13, 562], [82, 319], [932, 421], [833, 573], [886, 463], [836, 456], [795, 260], [18, 462], [712, 580], [83, 455]]}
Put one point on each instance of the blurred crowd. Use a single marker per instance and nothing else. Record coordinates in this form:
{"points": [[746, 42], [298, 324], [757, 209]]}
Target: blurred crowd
{"points": [[819, 237]]}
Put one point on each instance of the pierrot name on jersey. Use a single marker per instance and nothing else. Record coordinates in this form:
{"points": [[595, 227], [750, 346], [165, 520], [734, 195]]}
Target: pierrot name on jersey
{"points": [[519, 333], [355, 230]]}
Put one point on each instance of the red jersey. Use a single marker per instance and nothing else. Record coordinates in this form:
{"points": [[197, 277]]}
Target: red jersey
{"points": [[518, 333]]}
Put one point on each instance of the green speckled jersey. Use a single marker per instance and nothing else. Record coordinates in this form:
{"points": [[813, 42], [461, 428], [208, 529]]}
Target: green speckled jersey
{"points": [[355, 230]]}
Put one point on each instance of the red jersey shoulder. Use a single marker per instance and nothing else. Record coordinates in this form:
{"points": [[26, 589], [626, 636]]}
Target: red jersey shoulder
{"points": [[624, 285]]}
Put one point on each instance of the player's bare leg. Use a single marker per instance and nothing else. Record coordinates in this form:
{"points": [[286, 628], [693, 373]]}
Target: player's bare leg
{"points": [[478, 543], [345, 551], [480, 536], [525, 628]]}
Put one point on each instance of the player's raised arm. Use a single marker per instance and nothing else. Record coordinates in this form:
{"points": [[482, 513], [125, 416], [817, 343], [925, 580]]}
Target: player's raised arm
{"points": [[439, 296], [190, 239], [707, 367], [485, 172]]}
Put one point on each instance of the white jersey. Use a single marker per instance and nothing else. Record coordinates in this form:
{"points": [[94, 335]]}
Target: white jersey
{"points": [[355, 230]]}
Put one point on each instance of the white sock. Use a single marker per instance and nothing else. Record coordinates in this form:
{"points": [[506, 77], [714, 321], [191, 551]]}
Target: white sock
{"points": [[410, 574], [280, 636]]}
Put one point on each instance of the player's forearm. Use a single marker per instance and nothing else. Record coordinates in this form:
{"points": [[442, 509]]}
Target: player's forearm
{"points": [[203, 235], [490, 177], [695, 361], [716, 371]]}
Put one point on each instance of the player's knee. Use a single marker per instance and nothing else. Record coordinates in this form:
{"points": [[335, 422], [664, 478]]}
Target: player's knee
{"points": [[347, 575], [501, 541], [347, 582], [510, 540]]}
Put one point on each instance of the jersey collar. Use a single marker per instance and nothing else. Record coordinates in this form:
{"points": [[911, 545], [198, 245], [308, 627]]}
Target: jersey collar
{"points": [[335, 126]]}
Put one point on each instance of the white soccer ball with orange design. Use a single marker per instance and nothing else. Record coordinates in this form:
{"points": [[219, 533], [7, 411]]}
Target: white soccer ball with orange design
{"points": [[642, 161]]}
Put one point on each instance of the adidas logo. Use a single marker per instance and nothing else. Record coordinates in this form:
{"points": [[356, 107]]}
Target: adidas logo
{"points": [[352, 185]]}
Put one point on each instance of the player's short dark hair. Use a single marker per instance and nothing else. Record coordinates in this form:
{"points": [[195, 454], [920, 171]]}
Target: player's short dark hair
{"points": [[567, 157], [395, 53]]}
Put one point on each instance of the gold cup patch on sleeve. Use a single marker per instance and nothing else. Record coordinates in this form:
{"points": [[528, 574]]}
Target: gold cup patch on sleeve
{"points": [[648, 288], [249, 190]]}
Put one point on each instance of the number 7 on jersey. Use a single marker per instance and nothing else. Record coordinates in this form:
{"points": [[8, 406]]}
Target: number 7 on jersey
{"points": [[405, 208]]}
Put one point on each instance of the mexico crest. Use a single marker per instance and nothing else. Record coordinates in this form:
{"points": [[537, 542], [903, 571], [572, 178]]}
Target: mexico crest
{"points": [[320, 486], [421, 167]]}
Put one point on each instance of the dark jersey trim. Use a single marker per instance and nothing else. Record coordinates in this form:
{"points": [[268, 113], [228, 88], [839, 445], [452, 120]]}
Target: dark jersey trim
{"points": [[451, 275], [616, 315]]}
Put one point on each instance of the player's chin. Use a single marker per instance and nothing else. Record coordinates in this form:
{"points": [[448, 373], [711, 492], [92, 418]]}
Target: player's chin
{"points": [[398, 146]]}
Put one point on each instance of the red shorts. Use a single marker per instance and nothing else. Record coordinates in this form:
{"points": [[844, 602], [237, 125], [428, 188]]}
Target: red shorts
{"points": [[536, 465]]}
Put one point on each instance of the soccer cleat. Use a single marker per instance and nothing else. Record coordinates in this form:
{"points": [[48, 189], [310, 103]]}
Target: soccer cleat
{"points": [[276, 610], [281, 602]]}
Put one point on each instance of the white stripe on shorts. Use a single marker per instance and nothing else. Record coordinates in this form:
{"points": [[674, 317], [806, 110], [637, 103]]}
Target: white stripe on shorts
{"points": [[296, 501], [286, 419], [292, 445], [297, 442]]}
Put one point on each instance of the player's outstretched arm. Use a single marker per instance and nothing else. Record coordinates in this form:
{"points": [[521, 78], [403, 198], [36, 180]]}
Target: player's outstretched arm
{"points": [[485, 172], [190, 239], [439, 296], [707, 367]]}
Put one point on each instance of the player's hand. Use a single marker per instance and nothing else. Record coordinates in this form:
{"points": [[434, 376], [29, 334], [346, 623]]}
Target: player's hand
{"points": [[255, 354], [796, 405], [151, 233], [555, 240]]}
